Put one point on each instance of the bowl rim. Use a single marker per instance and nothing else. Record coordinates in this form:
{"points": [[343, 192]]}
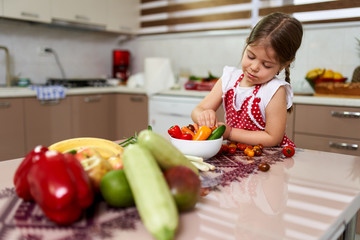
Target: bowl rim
{"points": [[197, 140]]}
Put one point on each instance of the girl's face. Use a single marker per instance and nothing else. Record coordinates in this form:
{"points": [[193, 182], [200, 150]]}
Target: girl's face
{"points": [[259, 64]]}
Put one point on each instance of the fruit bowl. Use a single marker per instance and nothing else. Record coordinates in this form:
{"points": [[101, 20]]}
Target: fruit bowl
{"points": [[205, 149]]}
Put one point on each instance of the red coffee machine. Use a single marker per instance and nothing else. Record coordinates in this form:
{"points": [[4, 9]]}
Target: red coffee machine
{"points": [[121, 63]]}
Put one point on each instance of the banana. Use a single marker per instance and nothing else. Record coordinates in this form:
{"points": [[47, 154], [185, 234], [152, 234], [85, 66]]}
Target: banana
{"points": [[106, 148], [315, 73]]}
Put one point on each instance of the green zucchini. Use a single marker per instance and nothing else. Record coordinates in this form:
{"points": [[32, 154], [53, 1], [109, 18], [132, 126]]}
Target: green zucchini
{"points": [[217, 133], [166, 154], [153, 199]]}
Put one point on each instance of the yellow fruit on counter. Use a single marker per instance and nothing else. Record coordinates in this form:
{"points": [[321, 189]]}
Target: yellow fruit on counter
{"points": [[109, 150], [315, 73], [329, 74], [105, 147], [320, 71], [338, 75], [312, 75]]}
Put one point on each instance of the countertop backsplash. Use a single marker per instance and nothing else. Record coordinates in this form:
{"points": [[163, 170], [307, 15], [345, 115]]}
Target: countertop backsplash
{"points": [[82, 53], [330, 46], [85, 53]]}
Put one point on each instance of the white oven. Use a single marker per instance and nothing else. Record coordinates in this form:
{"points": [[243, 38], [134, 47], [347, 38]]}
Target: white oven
{"points": [[166, 111]]}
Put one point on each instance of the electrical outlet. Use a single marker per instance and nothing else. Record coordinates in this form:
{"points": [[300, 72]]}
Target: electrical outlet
{"points": [[42, 52]]}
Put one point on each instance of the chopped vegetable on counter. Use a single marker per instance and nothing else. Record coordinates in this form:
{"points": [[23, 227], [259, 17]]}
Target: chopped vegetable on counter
{"points": [[288, 151]]}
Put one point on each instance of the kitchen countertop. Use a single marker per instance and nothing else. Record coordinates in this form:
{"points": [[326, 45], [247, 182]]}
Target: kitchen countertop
{"points": [[313, 195], [26, 92], [298, 99]]}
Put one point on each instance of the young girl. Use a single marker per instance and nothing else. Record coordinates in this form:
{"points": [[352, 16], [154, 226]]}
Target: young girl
{"points": [[255, 100]]}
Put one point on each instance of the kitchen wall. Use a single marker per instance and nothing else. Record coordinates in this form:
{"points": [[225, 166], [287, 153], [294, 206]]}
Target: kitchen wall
{"points": [[86, 53], [330, 46], [82, 53]]}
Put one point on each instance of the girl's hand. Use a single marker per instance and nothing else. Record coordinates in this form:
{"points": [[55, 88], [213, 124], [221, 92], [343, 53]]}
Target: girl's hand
{"points": [[207, 118]]}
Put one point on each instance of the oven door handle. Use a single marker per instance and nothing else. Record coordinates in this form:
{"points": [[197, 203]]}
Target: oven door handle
{"points": [[172, 114]]}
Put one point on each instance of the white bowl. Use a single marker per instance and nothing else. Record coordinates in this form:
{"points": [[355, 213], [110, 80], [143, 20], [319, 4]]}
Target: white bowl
{"points": [[205, 149]]}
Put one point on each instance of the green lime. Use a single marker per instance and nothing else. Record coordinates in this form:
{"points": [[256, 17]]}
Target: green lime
{"points": [[116, 190]]}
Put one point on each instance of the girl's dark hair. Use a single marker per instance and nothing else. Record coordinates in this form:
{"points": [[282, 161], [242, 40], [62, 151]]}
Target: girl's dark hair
{"points": [[284, 33]]}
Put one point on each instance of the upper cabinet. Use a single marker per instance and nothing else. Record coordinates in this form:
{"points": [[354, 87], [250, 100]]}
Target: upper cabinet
{"points": [[123, 16], [35, 10], [93, 12]]}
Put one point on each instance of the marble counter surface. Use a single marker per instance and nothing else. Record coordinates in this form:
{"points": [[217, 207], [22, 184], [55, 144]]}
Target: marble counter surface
{"points": [[312, 195]]}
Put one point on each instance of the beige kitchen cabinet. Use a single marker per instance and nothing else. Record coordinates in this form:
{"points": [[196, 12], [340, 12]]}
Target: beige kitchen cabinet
{"points": [[12, 144], [93, 115], [327, 128], [290, 121], [93, 12], [35, 10], [46, 122], [131, 112], [123, 16]]}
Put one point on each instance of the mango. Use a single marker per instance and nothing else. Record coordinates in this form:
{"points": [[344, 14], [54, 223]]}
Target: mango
{"points": [[184, 185]]}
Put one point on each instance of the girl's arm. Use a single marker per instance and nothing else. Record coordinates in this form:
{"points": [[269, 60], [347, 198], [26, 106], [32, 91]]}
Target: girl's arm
{"points": [[205, 112], [275, 113]]}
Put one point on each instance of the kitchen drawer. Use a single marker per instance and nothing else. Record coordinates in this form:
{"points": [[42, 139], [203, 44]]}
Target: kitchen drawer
{"points": [[131, 114], [290, 121], [46, 122], [12, 143], [93, 115], [342, 122], [328, 144]]}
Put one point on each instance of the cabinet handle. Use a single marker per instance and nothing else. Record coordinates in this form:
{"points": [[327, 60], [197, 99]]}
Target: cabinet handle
{"points": [[124, 28], [174, 114], [82, 18], [50, 102], [136, 99], [4, 104], [345, 114], [31, 15], [92, 99], [348, 146]]}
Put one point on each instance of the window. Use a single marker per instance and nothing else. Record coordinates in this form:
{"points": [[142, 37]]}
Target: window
{"points": [[171, 16]]}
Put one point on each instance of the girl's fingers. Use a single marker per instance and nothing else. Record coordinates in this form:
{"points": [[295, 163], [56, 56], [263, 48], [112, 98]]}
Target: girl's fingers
{"points": [[207, 118]]}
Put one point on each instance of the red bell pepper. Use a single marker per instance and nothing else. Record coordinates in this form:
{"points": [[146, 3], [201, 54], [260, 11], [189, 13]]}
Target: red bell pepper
{"points": [[20, 178], [175, 131], [59, 185]]}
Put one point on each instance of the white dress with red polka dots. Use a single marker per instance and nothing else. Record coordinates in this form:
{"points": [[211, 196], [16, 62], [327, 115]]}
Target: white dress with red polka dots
{"points": [[245, 106]]}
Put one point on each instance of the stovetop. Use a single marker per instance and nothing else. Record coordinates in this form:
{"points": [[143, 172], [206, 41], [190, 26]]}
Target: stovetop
{"points": [[77, 82]]}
